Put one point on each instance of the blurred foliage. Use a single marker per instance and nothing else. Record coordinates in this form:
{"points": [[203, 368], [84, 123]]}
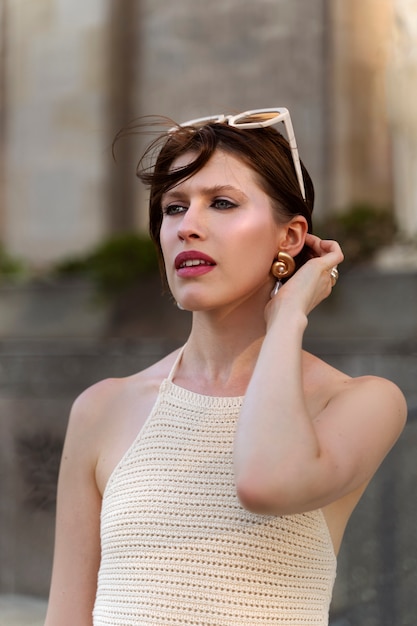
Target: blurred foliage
{"points": [[361, 231], [11, 269], [114, 265]]}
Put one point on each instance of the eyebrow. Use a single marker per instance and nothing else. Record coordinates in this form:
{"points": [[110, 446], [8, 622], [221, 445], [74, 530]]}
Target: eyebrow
{"points": [[177, 194]]}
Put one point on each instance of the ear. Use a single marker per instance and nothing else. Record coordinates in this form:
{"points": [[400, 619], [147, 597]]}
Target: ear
{"points": [[292, 235]]}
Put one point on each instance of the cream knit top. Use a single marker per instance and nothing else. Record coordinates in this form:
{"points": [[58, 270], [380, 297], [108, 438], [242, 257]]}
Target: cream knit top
{"points": [[179, 549]]}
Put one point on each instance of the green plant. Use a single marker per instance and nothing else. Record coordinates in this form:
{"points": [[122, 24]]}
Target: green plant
{"points": [[10, 268], [361, 231], [114, 265]]}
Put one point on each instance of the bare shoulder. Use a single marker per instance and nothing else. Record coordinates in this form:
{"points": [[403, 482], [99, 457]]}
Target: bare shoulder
{"points": [[369, 397], [108, 416], [376, 386], [377, 397], [103, 397]]}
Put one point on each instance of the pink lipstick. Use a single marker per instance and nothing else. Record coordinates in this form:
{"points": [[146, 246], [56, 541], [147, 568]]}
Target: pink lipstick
{"points": [[193, 263]]}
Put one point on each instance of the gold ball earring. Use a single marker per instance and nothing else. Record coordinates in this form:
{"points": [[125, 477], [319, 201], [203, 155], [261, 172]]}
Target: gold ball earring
{"points": [[284, 266]]}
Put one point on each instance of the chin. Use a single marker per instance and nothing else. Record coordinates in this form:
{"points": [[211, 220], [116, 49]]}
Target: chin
{"points": [[190, 301], [186, 306], [195, 304]]}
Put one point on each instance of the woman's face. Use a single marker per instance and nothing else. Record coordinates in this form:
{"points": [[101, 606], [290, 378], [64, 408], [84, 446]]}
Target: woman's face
{"points": [[218, 235]]}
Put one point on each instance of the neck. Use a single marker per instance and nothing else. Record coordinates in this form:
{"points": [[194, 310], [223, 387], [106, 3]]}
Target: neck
{"points": [[221, 351]]}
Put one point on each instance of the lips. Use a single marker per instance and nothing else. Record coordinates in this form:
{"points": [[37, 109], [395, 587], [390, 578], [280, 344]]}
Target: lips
{"points": [[192, 258], [192, 264]]}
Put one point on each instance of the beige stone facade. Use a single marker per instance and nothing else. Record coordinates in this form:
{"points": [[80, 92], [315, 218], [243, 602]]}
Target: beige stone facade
{"points": [[74, 72], [402, 98], [360, 144], [55, 108]]}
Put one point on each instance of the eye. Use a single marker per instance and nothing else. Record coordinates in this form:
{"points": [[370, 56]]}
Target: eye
{"points": [[174, 209], [223, 203]]}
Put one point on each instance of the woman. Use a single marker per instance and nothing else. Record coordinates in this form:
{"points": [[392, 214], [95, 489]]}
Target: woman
{"points": [[224, 475]]}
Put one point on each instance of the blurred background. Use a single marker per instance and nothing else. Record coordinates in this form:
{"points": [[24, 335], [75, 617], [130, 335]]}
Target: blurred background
{"points": [[80, 295]]}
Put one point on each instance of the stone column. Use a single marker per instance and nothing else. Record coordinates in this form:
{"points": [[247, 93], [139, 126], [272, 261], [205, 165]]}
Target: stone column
{"points": [[56, 106], [402, 104], [2, 112], [123, 77], [359, 150]]}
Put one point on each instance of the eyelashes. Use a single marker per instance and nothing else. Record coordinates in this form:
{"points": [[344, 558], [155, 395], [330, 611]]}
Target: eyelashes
{"points": [[222, 204], [173, 209]]}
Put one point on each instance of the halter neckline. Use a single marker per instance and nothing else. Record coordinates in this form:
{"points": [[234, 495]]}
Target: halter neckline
{"points": [[194, 396], [176, 364]]}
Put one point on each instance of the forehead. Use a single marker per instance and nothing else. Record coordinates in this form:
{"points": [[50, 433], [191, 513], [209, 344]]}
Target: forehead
{"points": [[222, 166]]}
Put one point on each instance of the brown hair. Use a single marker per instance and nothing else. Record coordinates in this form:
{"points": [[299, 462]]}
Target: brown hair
{"points": [[264, 150]]}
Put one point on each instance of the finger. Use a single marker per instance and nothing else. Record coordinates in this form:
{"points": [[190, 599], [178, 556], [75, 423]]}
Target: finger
{"points": [[318, 245], [322, 247], [313, 243], [321, 244]]}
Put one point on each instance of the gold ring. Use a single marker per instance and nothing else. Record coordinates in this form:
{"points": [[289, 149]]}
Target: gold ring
{"points": [[334, 275]]}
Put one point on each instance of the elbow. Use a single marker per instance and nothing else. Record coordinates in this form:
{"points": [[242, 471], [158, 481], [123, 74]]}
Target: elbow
{"points": [[259, 498], [289, 492], [251, 500]]}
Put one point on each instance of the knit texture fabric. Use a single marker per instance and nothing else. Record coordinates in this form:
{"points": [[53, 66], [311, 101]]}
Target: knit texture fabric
{"points": [[179, 549]]}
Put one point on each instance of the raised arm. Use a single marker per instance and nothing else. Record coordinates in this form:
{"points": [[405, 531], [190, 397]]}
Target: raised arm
{"points": [[290, 457]]}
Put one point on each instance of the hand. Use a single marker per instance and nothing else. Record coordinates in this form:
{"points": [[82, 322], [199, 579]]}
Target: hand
{"points": [[312, 283]]}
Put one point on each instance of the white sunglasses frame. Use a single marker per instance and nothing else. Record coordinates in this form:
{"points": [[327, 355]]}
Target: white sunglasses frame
{"points": [[282, 115]]}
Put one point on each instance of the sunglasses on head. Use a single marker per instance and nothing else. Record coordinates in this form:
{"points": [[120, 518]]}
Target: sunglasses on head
{"points": [[257, 118]]}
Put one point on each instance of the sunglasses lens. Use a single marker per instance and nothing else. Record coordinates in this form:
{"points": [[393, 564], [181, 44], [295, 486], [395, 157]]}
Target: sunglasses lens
{"points": [[261, 117]]}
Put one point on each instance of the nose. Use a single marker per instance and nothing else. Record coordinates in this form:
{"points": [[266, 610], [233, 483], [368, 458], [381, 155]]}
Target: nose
{"points": [[191, 225]]}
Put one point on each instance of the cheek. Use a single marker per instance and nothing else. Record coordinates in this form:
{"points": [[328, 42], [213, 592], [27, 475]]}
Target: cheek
{"points": [[164, 239], [252, 261], [257, 244]]}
